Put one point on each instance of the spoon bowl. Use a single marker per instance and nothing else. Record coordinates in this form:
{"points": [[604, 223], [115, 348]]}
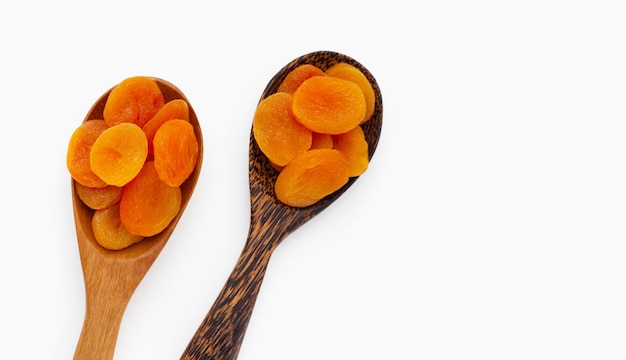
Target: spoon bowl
{"points": [[111, 276], [221, 333]]}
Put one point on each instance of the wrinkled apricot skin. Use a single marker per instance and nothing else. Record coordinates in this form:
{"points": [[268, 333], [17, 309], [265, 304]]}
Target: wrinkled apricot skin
{"points": [[354, 145], [352, 73], [296, 76], [148, 205], [109, 231], [79, 148], [135, 100], [173, 109], [329, 105], [98, 198], [311, 176], [279, 135], [175, 151], [119, 153]]}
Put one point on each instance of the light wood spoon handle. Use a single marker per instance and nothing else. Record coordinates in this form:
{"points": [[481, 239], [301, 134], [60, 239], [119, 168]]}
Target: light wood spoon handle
{"points": [[100, 329], [110, 282]]}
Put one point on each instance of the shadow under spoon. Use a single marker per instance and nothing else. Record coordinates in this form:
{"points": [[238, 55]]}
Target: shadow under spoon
{"points": [[221, 333], [111, 276]]}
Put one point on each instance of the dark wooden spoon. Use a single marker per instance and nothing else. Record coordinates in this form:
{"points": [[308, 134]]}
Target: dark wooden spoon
{"points": [[221, 333], [111, 276]]}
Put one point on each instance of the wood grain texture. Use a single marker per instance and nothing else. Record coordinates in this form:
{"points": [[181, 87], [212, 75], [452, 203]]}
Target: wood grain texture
{"points": [[221, 333], [111, 276]]}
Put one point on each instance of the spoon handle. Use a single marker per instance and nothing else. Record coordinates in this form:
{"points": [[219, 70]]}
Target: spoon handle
{"points": [[221, 333], [100, 329]]}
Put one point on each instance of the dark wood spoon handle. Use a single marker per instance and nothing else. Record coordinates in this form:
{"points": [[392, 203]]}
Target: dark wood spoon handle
{"points": [[221, 333]]}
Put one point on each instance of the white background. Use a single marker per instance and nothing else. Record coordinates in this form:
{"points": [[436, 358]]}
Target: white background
{"points": [[490, 224]]}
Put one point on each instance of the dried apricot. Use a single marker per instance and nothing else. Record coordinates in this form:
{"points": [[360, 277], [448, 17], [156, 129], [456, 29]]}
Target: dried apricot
{"points": [[311, 176], [134, 100], [322, 141], [173, 109], [148, 205], [354, 145], [329, 104], [109, 231], [350, 72], [279, 135], [80, 144], [119, 153], [98, 198], [296, 76], [175, 151]]}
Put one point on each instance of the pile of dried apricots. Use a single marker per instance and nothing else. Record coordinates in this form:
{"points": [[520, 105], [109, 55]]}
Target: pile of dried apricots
{"points": [[128, 166], [310, 131]]}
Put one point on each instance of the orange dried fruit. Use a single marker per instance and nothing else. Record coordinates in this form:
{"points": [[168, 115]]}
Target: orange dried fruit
{"points": [[109, 231], [311, 176], [354, 145], [148, 205], [119, 153], [175, 151], [329, 105], [322, 141], [104, 158], [279, 135], [98, 198], [134, 100], [296, 76], [352, 73], [173, 109], [78, 159], [277, 167]]}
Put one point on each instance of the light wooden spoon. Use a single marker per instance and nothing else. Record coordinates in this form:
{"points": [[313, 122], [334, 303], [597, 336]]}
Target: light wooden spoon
{"points": [[111, 276], [221, 333]]}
